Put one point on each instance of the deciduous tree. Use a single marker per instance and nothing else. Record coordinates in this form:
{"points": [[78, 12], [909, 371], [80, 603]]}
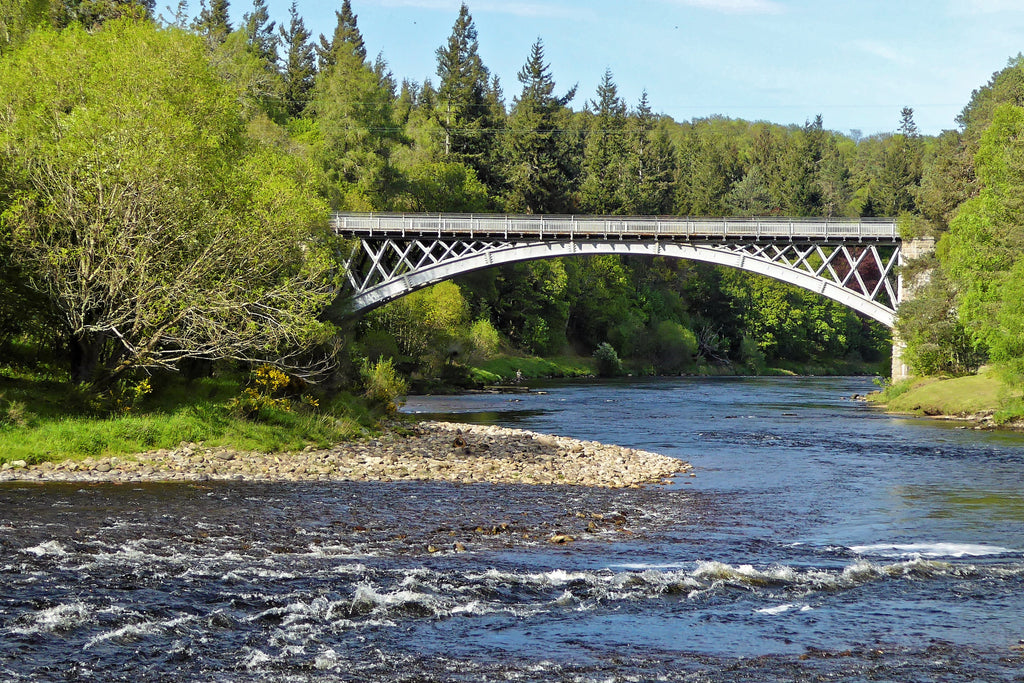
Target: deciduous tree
{"points": [[141, 213]]}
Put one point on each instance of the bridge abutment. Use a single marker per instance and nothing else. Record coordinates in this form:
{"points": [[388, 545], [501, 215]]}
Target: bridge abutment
{"points": [[918, 247]]}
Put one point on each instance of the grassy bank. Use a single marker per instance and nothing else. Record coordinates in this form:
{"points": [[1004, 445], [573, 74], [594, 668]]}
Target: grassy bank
{"points": [[43, 419], [503, 368], [981, 396]]}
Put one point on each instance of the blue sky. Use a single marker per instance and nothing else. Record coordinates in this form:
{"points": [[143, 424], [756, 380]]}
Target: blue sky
{"points": [[855, 62]]}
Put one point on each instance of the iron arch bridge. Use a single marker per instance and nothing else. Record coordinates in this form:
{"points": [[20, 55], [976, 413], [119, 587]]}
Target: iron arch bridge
{"points": [[850, 260]]}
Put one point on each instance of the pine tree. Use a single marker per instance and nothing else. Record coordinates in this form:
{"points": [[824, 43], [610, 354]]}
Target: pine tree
{"points": [[384, 75], [462, 110], [346, 32], [902, 167], [259, 33], [299, 67], [646, 187], [355, 112], [802, 185], [538, 167], [213, 22], [600, 191]]}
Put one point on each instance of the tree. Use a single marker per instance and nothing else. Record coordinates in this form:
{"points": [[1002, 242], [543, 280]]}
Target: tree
{"points": [[142, 215], [299, 64], [213, 22], [538, 166], [346, 33], [603, 151], [802, 187], [649, 165], [901, 168], [354, 114], [985, 243], [259, 33], [709, 166], [462, 96]]}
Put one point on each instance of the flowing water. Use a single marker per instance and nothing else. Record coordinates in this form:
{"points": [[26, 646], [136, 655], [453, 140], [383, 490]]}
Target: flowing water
{"points": [[819, 540]]}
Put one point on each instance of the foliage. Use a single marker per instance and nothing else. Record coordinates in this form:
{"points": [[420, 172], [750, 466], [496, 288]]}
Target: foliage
{"points": [[356, 133], [985, 258], [539, 144], [466, 121], [18, 17], [298, 67], [426, 325], [608, 363], [147, 224], [384, 387], [937, 342], [484, 340], [264, 392]]}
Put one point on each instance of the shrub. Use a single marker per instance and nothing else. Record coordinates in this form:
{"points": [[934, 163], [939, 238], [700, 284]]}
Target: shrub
{"points": [[484, 340], [752, 355], [384, 386], [263, 392], [608, 363]]}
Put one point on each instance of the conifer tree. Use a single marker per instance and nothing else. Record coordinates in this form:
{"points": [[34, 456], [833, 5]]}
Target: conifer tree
{"points": [[346, 32], [600, 188], [259, 33], [802, 187], [538, 166], [462, 110], [213, 22], [299, 67], [902, 167], [355, 113], [646, 187]]}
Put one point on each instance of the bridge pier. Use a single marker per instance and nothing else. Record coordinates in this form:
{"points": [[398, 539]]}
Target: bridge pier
{"points": [[918, 247]]}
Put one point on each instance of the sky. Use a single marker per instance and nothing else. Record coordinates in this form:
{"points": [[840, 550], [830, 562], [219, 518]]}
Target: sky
{"points": [[857, 63]]}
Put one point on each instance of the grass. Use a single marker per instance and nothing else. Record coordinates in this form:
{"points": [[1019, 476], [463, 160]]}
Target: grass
{"points": [[42, 419], [503, 368], [980, 394]]}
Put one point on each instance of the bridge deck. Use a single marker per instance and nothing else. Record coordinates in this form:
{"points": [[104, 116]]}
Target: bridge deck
{"points": [[384, 225]]}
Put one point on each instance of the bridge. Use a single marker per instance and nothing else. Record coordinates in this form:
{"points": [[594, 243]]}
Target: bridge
{"points": [[850, 260]]}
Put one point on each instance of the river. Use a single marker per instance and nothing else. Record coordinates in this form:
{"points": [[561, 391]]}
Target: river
{"points": [[819, 540]]}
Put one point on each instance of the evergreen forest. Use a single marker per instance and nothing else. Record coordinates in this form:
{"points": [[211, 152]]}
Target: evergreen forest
{"points": [[165, 185]]}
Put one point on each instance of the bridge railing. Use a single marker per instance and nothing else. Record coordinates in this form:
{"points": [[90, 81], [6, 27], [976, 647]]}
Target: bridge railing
{"points": [[609, 227]]}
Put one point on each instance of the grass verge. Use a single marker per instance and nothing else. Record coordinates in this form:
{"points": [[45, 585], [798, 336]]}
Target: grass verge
{"points": [[41, 420]]}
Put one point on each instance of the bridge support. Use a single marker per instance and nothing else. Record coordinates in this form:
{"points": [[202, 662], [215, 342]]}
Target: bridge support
{"points": [[919, 247]]}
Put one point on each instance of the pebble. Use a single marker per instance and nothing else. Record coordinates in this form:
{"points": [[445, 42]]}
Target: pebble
{"points": [[490, 454]]}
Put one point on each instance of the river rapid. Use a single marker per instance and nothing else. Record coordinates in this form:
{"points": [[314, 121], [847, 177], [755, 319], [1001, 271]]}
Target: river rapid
{"points": [[818, 540]]}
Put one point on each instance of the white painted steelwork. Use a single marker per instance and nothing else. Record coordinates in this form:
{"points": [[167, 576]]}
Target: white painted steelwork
{"points": [[852, 261]]}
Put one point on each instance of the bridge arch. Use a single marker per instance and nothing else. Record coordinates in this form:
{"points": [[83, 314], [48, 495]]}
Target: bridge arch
{"points": [[851, 261], [514, 253]]}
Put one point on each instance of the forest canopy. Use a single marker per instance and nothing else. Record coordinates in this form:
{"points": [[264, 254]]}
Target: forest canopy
{"points": [[164, 184]]}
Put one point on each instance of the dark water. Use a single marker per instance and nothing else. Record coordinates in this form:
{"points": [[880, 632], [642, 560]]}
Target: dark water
{"points": [[819, 541]]}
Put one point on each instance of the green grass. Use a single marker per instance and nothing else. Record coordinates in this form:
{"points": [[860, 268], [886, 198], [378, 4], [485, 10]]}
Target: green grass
{"points": [[43, 420], [981, 394], [503, 368]]}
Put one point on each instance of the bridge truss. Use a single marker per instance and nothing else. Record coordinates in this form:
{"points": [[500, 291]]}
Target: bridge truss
{"points": [[852, 261]]}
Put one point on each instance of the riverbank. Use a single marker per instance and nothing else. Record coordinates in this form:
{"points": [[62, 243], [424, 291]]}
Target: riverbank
{"points": [[982, 401], [434, 451]]}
